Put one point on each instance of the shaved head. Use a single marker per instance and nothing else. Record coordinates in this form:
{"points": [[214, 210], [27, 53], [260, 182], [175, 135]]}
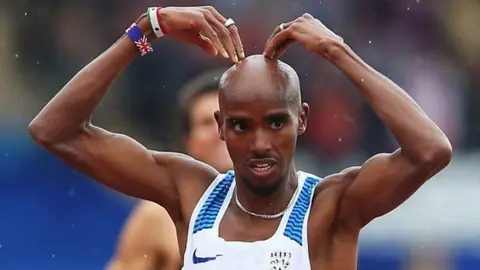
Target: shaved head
{"points": [[260, 118], [257, 76]]}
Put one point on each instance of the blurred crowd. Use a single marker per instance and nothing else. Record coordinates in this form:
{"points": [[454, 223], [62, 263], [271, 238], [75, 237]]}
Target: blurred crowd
{"points": [[431, 48], [426, 46]]}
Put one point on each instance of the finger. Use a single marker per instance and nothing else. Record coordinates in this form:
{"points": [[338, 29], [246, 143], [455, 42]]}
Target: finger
{"points": [[278, 29], [237, 42], [207, 31], [205, 43], [283, 48], [224, 35], [276, 42]]}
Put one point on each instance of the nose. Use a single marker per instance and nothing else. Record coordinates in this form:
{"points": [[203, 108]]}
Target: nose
{"points": [[261, 144]]}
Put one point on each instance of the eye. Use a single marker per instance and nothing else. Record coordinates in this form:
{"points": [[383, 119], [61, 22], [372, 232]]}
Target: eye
{"points": [[239, 125], [276, 125], [277, 122]]}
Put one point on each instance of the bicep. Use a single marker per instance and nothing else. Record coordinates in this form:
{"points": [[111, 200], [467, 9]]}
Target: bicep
{"points": [[120, 163], [383, 183]]}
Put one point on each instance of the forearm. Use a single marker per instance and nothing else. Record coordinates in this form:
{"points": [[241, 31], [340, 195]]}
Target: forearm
{"points": [[70, 110], [416, 133]]}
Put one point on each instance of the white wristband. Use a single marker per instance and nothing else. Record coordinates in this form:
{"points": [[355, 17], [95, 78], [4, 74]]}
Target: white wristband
{"points": [[152, 14]]}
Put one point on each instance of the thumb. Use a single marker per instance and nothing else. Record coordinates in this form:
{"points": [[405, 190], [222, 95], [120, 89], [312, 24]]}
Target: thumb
{"points": [[205, 43]]}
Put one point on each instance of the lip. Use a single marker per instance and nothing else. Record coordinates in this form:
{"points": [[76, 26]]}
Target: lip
{"points": [[262, 167]]}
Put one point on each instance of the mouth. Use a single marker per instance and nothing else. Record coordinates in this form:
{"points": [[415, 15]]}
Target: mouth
{"points": [[262, 167]]}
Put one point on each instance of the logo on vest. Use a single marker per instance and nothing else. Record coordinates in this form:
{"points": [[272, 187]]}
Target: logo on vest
{"points": [[197, 260], [280, 260]]}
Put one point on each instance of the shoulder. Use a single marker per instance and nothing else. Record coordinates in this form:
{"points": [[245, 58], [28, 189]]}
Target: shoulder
{"points": [[329, 193], [338, 182], [147, 212], [148, 233], [147, 220]]}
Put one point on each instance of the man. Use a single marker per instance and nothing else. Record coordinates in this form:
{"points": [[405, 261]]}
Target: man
{"points": [[149, 239], [263, 214]]}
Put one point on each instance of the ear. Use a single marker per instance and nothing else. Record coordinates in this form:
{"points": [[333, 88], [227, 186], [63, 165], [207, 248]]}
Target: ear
{"points": [[219, 120], [302, 118]]}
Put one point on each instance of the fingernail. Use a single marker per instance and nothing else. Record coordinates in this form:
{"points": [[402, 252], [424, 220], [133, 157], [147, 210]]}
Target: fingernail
{"points": [[225, 54], [235, 58], [242, 55]]}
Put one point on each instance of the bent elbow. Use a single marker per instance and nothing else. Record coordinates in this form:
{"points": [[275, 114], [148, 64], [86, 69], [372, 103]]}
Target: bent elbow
{"points": [[438, 156], [38, 134]]}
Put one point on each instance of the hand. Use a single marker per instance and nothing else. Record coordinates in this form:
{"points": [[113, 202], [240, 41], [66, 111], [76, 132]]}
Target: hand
{"points": [[204, 27], [307, 31]]}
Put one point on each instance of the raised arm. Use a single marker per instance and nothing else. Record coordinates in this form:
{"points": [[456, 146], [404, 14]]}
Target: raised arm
{"points": [[386, 180], [117, 161]]}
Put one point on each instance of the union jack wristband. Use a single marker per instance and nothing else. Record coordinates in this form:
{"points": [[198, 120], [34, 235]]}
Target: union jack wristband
{"points": [[139, 39]]}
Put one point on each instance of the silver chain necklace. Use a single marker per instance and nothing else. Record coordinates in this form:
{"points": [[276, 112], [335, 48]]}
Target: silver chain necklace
{"points": [[267, 216]]}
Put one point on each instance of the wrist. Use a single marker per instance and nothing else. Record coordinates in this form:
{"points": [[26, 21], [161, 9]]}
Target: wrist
{"points": [[335, 51], [143, 23]]}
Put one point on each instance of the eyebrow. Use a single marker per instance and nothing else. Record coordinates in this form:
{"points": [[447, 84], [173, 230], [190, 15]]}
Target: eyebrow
{"points": [[277, 114], [238, 118], [268, 116]]}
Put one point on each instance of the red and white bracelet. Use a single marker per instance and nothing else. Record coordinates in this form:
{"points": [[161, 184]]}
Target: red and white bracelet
{"points": [[153, 15]]}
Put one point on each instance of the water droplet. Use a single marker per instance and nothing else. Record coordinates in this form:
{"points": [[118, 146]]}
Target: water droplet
{"points": [[1, 246], [418, 1], [339, 139], [16, 55], [38, 62], [25, 13], [6, 154], [145, 255], [53, 255], [234, 4], [408, 8], [73, 225], [362, 80], [369, 42]]}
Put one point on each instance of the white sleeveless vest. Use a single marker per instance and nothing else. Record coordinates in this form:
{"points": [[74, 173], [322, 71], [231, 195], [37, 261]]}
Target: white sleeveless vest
{"points": [[286, 249]]}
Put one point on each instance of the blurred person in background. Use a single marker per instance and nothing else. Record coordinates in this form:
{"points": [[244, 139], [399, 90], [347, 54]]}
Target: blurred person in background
{"points": [[149, 238]]}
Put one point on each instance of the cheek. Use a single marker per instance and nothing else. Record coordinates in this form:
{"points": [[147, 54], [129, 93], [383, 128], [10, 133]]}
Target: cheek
{"points": [[237, 148], [286, 142]]}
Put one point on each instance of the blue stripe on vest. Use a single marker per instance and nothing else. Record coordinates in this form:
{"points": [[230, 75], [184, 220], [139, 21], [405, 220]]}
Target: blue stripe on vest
{"points": [[208, 213], [294, 228]]}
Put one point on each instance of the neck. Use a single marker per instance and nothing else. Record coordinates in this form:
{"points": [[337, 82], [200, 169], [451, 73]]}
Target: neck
{"points": [[272, 203]]}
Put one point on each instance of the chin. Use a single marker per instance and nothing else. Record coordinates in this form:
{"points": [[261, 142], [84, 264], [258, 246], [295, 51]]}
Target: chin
{"points": [[263, 188], [263, 185]]}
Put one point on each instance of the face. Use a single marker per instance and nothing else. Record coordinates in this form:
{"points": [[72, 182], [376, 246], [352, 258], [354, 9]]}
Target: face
{"points": [[260, 128], [203, 142]]}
